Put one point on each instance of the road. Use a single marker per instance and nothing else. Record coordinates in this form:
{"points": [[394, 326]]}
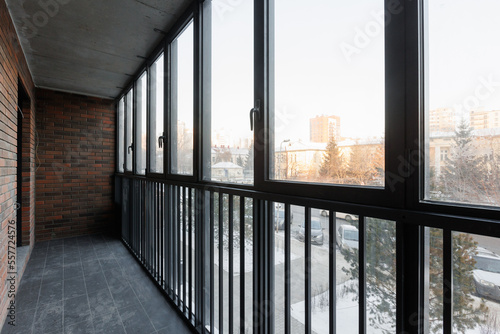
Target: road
{"points": [[492, 244], [319, 274]]}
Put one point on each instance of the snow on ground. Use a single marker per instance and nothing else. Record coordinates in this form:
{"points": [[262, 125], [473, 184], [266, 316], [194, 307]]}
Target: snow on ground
{"points": [[279, 258], [347, 312]]}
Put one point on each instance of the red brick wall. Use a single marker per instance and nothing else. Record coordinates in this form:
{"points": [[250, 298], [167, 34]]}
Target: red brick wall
{"points": [[76, 158], [13, 68], [28, 176]]}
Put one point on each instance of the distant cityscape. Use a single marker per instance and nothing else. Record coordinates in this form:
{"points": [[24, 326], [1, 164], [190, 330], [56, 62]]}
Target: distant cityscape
{"points": [[301, 160], [442, 123]]}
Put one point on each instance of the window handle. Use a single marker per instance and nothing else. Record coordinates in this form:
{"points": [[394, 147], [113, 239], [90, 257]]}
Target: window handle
{"points": [[161, 140], [254, 110], [130, 148]]}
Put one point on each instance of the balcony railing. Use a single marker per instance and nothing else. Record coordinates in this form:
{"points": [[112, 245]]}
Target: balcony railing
{"points": [[240, 261]]}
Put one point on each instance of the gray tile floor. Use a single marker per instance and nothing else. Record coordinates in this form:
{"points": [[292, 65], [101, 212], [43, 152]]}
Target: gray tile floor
{"points": [[89, 284]]}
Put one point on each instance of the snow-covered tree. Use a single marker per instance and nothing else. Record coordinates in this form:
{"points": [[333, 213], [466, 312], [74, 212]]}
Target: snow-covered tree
{"points": [[462, 177], [333, 165], [381, 278]]}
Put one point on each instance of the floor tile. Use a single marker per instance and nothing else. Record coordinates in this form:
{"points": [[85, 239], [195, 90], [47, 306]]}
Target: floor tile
{"points": [[91, 267], [51, 291], [48, 318], [101, 303], [112, 323], [125, 298], [95, 282], [135, 320], [73, 270], [85, 327], [23, 323], [74, 287], [90, 284], [76, 310]]}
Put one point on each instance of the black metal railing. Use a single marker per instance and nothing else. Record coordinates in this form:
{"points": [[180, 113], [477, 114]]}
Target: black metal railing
{"points": [[239, 261]]}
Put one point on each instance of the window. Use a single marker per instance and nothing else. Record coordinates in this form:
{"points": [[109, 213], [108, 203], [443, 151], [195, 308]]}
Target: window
{"points": [[329, 105], [140, 128], [433, 281], [157, 136], [232, 73], [340, 247], [476, 273], [129, 118], [181, 102], [444, 155], [121, 137], [462, 62]]}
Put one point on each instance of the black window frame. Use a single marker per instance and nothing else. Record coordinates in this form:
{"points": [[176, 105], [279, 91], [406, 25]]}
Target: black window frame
{"points": [[392, 194], [129, 148], [403, 143], [159, 51], [404, 89], [120, 130], [145, 70], [188, 18], [416, 75]]}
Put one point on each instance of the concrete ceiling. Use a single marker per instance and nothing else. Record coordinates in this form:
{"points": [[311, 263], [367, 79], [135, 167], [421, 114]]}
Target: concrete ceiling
{"points": [[90, 47]]}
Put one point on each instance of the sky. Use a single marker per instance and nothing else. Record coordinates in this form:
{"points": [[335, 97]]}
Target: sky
{"points": [[315, 75], [312, 75], [463, 48]]}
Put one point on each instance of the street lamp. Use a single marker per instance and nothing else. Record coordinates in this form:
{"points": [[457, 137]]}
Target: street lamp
{"points": [[281, 157]]}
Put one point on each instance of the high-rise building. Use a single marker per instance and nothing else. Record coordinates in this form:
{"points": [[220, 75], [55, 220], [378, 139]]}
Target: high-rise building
{"points": [[442, 120], [324, 128], [485, 119]]}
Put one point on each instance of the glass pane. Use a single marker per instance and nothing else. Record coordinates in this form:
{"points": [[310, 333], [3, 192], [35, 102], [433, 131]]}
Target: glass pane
{"points": [[121, 135], [156, 145], [347, 272], [218, 248], [129, 107], [323, 131], [320, 285], [140, 129], [433, 281], [380, 276], [279, 267], [232, 89], [462, 114], [237, 272], [297, 271], [476, 284], [182, 62], [249, 266]]}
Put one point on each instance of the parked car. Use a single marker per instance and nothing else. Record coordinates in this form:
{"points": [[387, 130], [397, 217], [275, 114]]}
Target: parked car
{"points": [[487, 274], [346, 216], [317, 236], [347, 237]]}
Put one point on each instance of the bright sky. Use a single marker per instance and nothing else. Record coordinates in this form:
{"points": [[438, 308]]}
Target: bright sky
{"points": [[463, 48], [313, 76], [330, 60]]}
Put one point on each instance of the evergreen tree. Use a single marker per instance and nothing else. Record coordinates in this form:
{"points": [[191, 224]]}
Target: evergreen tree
{"points": [[332, 167], [380, 273], [490, 167], [361, 170], [381, 278], [239, 161], [462, 176], [248, 166], [223, 154], [465, 314]]}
